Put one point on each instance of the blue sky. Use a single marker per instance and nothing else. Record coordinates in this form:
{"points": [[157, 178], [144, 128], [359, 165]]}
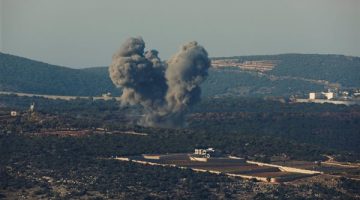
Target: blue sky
{"points": [[82, 33]]}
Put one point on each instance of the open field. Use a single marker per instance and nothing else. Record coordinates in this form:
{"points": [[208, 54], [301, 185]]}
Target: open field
{"points": [[224, 165], [340, 168], [268, 172]]}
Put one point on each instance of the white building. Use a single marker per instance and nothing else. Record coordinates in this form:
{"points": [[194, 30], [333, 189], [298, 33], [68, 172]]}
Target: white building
{"points": [[32, 107], [204, 152], [105, 95], [312, 95], [13, 113], [322, 95], [328, 95]]}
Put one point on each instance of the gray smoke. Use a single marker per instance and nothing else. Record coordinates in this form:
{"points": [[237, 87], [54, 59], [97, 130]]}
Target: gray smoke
{"points": [[164, 90]]}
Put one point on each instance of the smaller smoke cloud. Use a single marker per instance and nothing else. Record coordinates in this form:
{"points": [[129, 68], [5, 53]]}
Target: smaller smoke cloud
{"points": [[164, 90]]}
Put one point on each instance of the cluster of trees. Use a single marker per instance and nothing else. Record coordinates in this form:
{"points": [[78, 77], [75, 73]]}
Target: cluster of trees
{"points": [[234, 82], [329, 127], [255, 128], [334, 68], [241, 126], [82, 167]]}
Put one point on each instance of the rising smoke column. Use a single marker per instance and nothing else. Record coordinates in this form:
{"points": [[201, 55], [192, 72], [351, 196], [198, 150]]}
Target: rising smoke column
{"points": [[140, 75], [186, 70], [164, 90]]}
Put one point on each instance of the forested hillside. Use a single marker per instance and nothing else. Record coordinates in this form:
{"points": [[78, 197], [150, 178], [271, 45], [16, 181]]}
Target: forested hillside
{"points": [[24, 75], [334, 68], [234, 82]]}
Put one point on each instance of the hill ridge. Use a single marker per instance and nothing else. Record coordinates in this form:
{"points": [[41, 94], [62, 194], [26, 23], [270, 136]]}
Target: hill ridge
{"points": [[18, 74]]}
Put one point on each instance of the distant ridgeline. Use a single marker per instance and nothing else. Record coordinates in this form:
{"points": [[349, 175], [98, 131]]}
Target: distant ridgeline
{"points": [[271, 75], [282, 75], [19, 74], [333, 68]]}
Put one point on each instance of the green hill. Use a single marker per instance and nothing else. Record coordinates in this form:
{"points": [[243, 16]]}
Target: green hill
{"points": [[19, 74], [341, 69], [234, 82]]}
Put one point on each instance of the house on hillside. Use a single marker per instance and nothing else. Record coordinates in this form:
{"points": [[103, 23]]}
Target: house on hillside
{"points": [[13, 113]]}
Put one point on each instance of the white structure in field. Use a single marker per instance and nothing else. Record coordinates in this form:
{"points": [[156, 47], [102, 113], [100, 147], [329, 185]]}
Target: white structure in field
{"points": [[328, 95], [152, 156], [323, 95], [312, 95], [107, 95], [13, 113], [204, 152], [32, 107]]}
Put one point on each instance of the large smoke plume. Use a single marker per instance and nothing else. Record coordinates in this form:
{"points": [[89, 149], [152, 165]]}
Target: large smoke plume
{"points": [[165, 90]]}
